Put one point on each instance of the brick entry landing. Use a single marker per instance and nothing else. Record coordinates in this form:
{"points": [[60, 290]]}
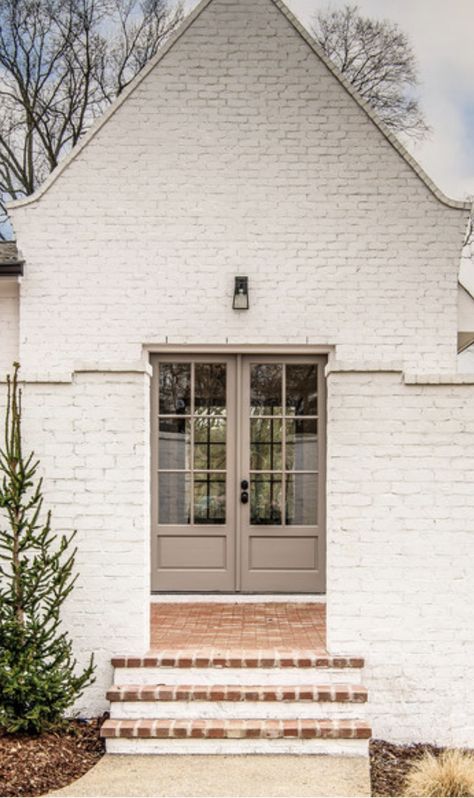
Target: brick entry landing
{"points": [[242, 627]]}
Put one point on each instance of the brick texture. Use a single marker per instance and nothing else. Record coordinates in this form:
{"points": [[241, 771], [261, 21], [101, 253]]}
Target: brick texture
{"points": [[240, 153], [9, 321], [334, 693], [238, 729], [400, 542]]}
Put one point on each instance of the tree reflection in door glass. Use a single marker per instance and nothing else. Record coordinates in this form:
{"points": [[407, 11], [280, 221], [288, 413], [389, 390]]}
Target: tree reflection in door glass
{"points": [[266, 387], [265, 444], [209, 498], [210, 389], [301, 390], [175, 389], [265, 500]]}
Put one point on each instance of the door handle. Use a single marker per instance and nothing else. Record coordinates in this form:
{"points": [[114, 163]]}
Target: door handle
{"points": [[244, 484], [244, 497]]}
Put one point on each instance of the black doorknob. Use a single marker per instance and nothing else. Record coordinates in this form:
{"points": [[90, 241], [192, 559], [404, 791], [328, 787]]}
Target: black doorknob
{"points": [[244, 497], [244, 484]]}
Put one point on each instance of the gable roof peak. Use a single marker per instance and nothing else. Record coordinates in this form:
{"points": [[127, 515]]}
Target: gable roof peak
{"points": [[315, 47]]}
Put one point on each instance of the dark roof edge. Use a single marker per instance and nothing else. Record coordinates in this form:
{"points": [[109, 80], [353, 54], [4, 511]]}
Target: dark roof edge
{"points": [[12, 268]]}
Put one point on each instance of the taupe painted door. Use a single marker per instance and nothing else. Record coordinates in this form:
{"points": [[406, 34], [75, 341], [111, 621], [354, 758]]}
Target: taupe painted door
{"points": [[238, 474]]}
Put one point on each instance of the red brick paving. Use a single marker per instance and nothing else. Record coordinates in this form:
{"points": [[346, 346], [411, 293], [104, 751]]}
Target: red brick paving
{"points": [[238, 627]]}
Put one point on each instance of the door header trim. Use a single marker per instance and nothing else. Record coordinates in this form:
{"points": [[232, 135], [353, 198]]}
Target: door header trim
{"points": [[238, 349]]}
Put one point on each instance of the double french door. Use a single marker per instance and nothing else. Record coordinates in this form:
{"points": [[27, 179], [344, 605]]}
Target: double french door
{"points": [[238, 455]]}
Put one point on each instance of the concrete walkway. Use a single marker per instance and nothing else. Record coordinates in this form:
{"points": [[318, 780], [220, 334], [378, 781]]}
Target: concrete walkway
{"points": [[212, 776]]}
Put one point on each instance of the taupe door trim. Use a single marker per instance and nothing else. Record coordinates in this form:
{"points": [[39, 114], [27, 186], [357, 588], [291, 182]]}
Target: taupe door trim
{"points": [[238, 349], [229, 555]]}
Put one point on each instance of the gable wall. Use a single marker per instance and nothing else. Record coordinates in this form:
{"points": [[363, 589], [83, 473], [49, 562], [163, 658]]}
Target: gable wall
{"points": [[239, 154]]}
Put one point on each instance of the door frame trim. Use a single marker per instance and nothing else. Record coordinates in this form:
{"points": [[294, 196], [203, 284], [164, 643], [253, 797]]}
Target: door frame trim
{"points": [[240, 351]]}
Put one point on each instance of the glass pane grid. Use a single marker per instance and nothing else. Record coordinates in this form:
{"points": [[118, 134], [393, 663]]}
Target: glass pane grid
{"points": [[194, 395], [284, 466]]}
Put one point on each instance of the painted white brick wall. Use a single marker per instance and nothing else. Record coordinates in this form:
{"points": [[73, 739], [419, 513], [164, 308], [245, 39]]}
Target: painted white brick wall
{"points": [[400, 549], [239, 154], [91, 437], [9, 321]]}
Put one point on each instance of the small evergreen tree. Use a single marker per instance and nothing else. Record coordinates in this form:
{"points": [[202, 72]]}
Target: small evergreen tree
{"points": [[37, 668]]}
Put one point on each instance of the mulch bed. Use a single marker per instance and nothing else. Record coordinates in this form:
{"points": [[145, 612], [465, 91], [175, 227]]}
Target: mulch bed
{"points": [[389, 765], [36, 765]]}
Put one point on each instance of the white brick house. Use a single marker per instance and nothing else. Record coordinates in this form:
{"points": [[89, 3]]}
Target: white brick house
{"points": [[240, 151]]}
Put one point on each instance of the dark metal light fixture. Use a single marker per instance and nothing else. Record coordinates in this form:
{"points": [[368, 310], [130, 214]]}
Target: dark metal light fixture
{"points": [[241, 294]]}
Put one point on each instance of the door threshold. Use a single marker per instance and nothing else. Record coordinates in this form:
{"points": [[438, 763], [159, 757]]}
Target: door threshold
{"points": [[237, 598]]}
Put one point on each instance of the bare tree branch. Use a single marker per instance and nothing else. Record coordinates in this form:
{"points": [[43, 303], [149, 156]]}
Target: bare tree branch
{"points": [[61, 63], [377, 58]]}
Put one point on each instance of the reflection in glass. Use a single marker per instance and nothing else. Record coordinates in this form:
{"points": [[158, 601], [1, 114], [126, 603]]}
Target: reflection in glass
{"points": [[266, 389], [209, 456], [302, 445], [209, 429], [175, 389], [265, 500], [175, 498], [209, 498], [210, 388], [302, 499], [302, 390], [174, 446], [265, 444]]}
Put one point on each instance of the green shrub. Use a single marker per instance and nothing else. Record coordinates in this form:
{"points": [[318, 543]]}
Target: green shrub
{"points": [[37, 667]]}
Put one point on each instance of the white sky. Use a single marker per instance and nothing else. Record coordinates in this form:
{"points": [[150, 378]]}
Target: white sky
{"points": [[442, 35]]}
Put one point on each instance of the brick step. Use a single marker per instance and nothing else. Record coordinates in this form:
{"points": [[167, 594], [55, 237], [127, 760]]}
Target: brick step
{"points": [[236, 729], [237, 659], [331, 693], [273, 668]]}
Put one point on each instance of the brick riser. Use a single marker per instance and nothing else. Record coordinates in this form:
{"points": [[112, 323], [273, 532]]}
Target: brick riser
{"points": [[237, 702], [170, 728]]}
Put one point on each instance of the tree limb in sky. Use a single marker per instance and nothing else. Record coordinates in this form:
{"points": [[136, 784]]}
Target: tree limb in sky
{"points": [[377, 58], [61, 63]]}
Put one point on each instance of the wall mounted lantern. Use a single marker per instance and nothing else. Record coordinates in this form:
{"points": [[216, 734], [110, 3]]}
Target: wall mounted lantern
{"points": [[241, 294]]}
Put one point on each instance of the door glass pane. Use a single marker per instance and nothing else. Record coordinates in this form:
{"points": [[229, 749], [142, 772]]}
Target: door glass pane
{"points": [[266, 387], [265, 444], [175, 389], [209, 429], [175, 498], [301, 390], [209, 498], [175, 444], [302, 499], [209, 456], [265, 500], [210, 388], [302, 445]]}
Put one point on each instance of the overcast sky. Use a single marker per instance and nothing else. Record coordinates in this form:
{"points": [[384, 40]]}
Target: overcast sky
{"points": [[442, 35]]}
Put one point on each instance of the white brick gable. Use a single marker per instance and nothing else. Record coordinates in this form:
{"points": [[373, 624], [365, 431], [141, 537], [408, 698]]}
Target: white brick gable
{"points": [[239, 153]]}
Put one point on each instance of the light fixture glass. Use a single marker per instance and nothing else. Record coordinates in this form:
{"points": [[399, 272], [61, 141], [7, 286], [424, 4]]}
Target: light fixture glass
{"points": [[241, 294]]}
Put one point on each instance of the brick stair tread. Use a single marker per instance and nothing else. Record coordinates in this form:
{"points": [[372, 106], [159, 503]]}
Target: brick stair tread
{"points": [[333, 693], [236, 729], [237, 659]]}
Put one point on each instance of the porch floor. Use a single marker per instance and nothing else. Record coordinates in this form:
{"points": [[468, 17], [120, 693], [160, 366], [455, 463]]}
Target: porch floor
{"points": [[239, 627]]}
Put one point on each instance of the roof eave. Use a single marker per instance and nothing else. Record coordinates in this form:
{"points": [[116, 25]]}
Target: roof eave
{"points": [[12, 269]]}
